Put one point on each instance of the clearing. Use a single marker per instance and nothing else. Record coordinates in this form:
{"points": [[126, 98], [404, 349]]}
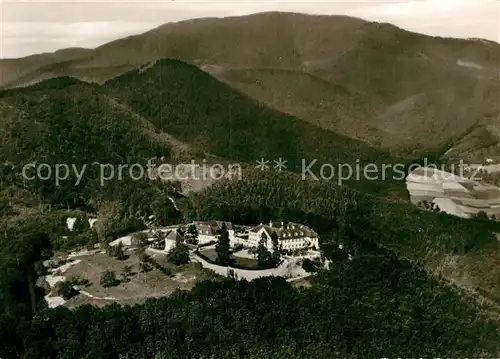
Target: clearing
{"points": [[138, 287]]}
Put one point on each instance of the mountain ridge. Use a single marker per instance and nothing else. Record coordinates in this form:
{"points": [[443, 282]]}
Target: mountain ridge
{"points": [[167, 107], [269, 56]]}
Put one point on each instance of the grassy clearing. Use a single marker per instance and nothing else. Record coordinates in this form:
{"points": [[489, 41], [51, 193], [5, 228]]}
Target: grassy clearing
{"points": [[247, 263], [139, 285]]}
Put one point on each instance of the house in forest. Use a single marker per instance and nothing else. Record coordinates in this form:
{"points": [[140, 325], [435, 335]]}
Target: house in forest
{"points": [[291, 236], [208, 230]]}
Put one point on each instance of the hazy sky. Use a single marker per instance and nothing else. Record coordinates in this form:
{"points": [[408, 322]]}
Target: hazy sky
{"points": [[36, 26]]}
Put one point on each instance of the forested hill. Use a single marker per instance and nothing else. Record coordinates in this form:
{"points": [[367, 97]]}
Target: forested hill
{"points": [[70, 121], [66, 121], [192, 105], [167, 108], [169, 97], [375, 305]]}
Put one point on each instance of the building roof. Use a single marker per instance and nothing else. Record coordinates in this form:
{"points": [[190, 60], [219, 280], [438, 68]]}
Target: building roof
{"points": [[286, 231], [173, 235], [213, 227]]}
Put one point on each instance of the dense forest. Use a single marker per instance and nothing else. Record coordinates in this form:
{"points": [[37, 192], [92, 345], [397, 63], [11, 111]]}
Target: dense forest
{"points": [[394, 308], [260, 196], [375, 305], [64, 121], [429, 238]]}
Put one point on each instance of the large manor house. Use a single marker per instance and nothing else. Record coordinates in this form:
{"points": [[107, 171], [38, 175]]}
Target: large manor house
{"points": [[291, 236]]}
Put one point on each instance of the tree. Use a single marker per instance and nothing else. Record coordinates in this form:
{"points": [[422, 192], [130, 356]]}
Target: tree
{"points": [[127, 272], [140, 240], [192, 235], [67, 290], [40, 269], [263, 256], [80, 282], [81, 225], [108, 279], [117, 251], [231, 274], [163, 210], [481, 216], [5, 208], [145, 261], [159, 240], [146, 267], [93, 238], [311, 266], [222, 247], [238, 247], [276, 255], [179, 254]]}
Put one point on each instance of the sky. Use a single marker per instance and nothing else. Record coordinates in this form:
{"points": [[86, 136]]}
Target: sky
{"points": [[34, 26]]}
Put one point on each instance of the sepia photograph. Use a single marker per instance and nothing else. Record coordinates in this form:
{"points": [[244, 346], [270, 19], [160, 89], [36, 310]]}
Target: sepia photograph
{"points": [[249, 179]]}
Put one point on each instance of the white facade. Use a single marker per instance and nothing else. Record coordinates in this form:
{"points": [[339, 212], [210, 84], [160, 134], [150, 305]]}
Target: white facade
{"points": [[255, 237], [70, 222], [210, 235], [291, 236], [207, 231], [299, 243], [206, 238], [92, 221]]}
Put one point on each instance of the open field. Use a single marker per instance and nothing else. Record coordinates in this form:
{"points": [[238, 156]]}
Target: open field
{"points": [[453, 194], [248, 263], [136, 289]]}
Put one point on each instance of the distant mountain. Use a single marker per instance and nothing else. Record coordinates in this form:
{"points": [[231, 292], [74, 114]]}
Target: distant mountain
{"points": [[34, 67], [391, 88]]}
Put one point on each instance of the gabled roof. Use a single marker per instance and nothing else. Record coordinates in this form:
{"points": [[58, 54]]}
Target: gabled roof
{"points": [[229, 225], [173, 235], [257, 228], [213, 226], [286, 231]]}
